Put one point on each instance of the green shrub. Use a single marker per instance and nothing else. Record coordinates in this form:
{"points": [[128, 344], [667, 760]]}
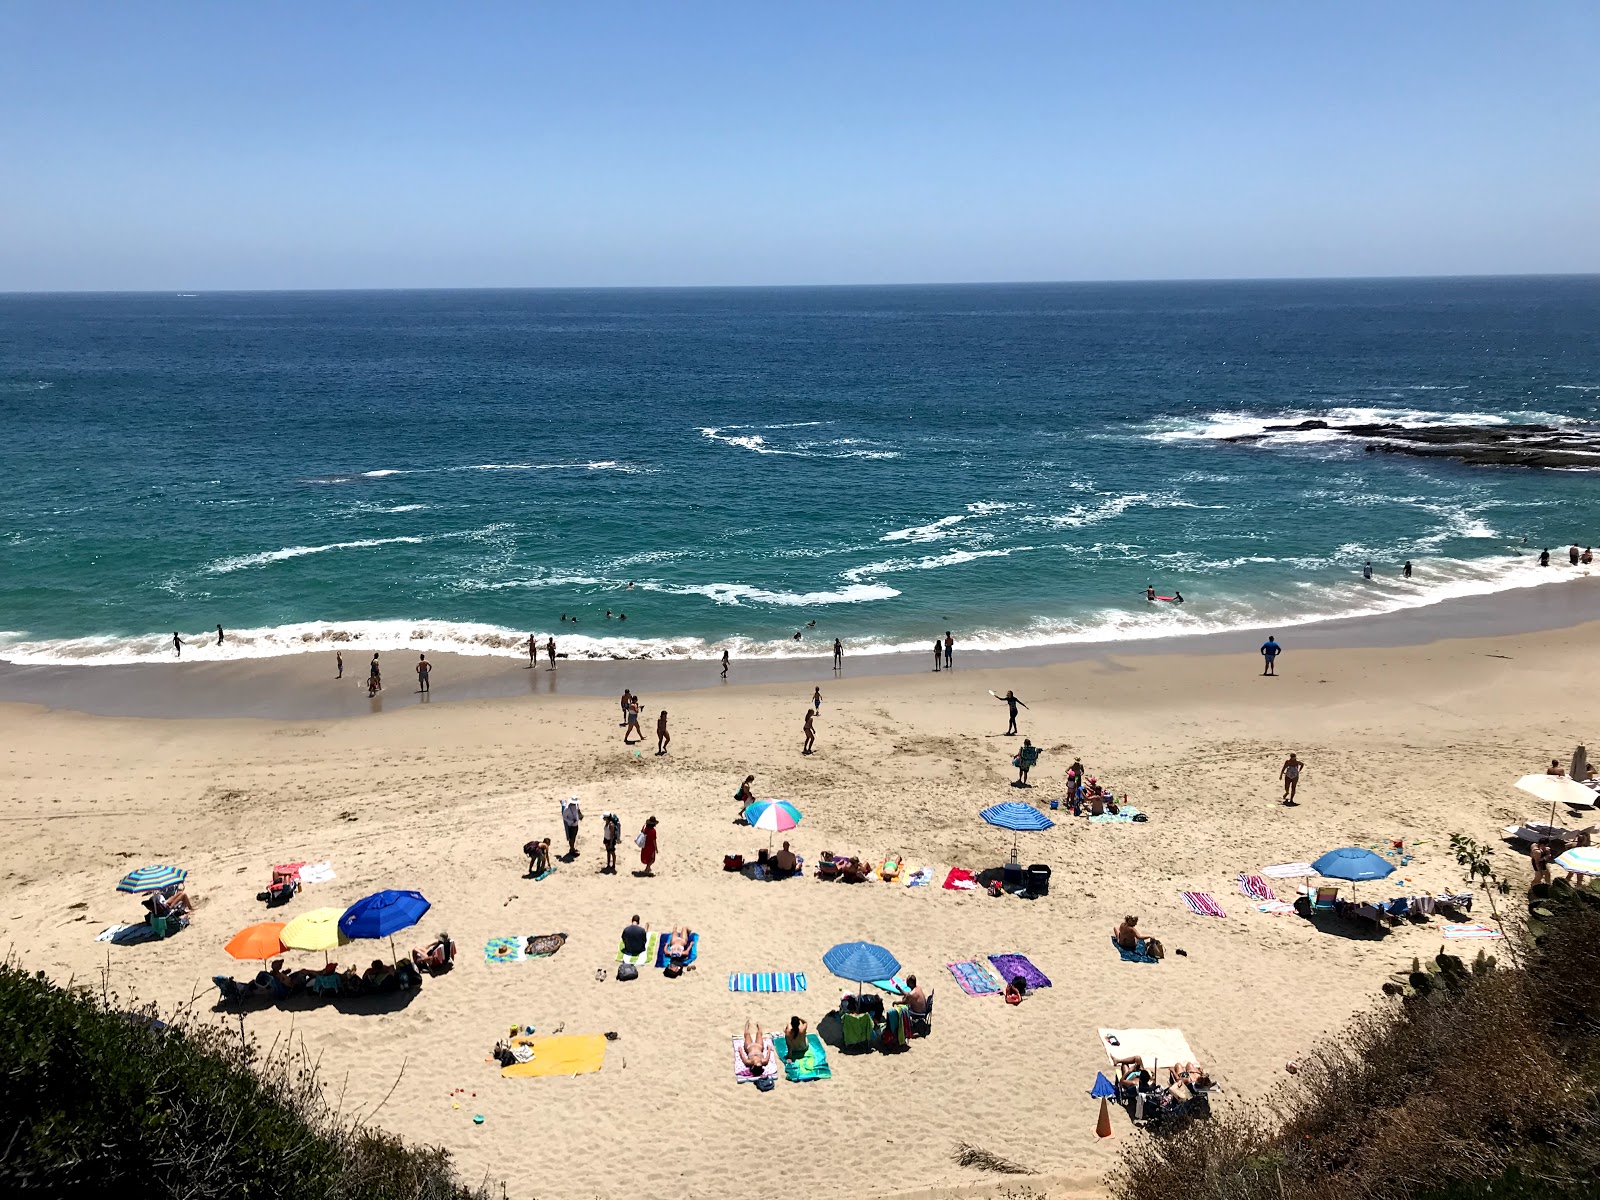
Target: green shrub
{"points": [[98, 1101]]}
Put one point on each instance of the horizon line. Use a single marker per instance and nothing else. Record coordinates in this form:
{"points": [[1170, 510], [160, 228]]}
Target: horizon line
{"points": [[707, 287]]}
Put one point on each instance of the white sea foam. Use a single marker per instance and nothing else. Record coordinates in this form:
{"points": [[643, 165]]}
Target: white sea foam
{"points": [[931, 562], [932, 531], [241, 562], [739, 435], [387, 471], [1220, 426], [736, 593], [1080, 515]]}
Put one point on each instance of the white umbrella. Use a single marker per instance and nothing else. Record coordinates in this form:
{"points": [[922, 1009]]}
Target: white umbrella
{"points": [[1558, 789]]}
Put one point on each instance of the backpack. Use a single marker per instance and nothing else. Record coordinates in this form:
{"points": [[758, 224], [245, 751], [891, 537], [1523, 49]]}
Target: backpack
{"points": [[627, 971], [1154, 949], [733, 862]]}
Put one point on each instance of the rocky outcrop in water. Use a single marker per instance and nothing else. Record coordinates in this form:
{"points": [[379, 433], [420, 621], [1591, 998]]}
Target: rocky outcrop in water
{"points": [[1547, 446]]}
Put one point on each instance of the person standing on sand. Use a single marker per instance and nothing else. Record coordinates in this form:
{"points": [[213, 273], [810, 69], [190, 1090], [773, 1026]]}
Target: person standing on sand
{"points": [[647, 846], [611, 834], [424, 669], [177, 644], [1270, 651], [338, 661], [627, 699], [219, 628], [744, 798], [633, 723], [938, 653], [550, 649], [571, 814], [838, 655], [810, 731], [949, 651], [533, 652], [663, 738], [1011, 702], [1290, 774], [816, 699], [724, 664], [374, 676]]}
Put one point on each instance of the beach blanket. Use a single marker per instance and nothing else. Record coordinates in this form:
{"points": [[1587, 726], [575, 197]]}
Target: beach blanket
{"points": [[960, 880], [570, 1054], [743, 1074], [1256, 888], [504, 949], [1157, 1047], [895, 987], [321, 872], [661, 950], [1288, 870], [1202, 904], [921, 877], [1012, 965], [289, 870], [545, 874], [125, 935], [1136, 955], [1123, 816], [975, 978], [543, 945], [647, 955], [767, 981], [1475, 930], [813, 1066], [1275, 908]]}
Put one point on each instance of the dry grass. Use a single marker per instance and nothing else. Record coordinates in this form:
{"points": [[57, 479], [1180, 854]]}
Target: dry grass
{"points": [[968, 1155]]}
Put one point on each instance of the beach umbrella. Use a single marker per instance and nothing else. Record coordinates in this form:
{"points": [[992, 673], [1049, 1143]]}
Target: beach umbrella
{"points": [[1354, 864], [257, 942], [315, 930], [775, 816], [383, 914], [151, 879], [1102, 1091], [861, 962], [1558, 789], [1581, 860], [1016, 817]]}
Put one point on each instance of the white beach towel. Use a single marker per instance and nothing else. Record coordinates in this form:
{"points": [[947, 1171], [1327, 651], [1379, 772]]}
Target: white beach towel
{"points": [[1288, 870], [321, 872], [1157, 1047], [743, 1074]]}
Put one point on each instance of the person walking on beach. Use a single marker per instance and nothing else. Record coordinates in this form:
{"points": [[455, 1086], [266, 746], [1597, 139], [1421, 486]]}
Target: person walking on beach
{"points": [[424, 669], [550, 649], [1011, 702], [938, 653], [810, 732], [1024, 762], [338, 661], [1270, 651], [627, 699], [646, 841], [1290, 774], [219, 627], [533, 652], [949, 650], [177, 644], [838, 655], [633, 723], [374, 676], [663, 738], [571, 814], [611, 834], [1406, 570], [724, 664], [816, 699], [744, 798]]}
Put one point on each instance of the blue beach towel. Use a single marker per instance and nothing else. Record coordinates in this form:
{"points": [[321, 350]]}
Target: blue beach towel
{"points": [[1138, 955], [767, 981], [661, 951]]}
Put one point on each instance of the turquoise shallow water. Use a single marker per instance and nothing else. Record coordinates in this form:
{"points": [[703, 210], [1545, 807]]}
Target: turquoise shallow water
{"points": [[1014, 463]]}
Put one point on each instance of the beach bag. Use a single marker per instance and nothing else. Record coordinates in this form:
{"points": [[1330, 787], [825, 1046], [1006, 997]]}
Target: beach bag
{"points": [[639, 840], [1154, 949], [627, 971], [528, 848], [733, 862]]}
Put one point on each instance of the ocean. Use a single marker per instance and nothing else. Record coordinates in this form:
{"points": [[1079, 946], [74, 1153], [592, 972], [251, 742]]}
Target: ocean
{"points": [[454, 470]]}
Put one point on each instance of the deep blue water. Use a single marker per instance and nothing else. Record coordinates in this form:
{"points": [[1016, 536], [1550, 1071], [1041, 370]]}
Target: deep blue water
{"points": [[1015, 463]]}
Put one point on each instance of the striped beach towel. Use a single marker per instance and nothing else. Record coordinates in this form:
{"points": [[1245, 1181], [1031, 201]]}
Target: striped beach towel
{"points": [[1276, 908], [646, 956], [975, 978], [1475, 930], [1293, 870], [767, 981], [1256, 888], [1202, 904]]}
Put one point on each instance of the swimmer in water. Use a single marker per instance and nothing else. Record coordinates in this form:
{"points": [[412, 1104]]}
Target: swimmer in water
{"points": [[1177, 596], [1149, 592]]}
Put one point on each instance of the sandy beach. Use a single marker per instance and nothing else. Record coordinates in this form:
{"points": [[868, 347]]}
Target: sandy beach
{"points": [[1413, 741]]}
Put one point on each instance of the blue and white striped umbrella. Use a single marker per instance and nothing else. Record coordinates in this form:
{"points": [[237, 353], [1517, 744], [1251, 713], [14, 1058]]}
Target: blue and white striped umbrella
{"points": [[1017, 818], [1581, 860], [151, 879]]}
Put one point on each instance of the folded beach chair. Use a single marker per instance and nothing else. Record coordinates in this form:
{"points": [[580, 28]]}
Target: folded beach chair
{"points": [[811, 1067], [856, 1030]]}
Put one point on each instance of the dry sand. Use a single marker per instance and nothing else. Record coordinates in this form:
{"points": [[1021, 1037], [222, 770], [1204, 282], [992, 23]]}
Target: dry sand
{"points": [[1413, 741]]}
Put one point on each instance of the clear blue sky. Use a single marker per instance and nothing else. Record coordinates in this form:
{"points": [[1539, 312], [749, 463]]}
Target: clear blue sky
{"points": [[217, 145]]}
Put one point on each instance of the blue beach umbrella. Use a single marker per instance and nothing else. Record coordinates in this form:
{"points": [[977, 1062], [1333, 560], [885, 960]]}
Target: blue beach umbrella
{"points": [[861, 962], [383, 914], [1018, 818], [1352, 863], [151, 879], [1102, 1088]]}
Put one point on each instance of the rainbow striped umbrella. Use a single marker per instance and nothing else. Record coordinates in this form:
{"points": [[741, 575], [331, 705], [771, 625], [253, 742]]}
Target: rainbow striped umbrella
{"points": [[772, 815], [151, 879], [1581, 860]]}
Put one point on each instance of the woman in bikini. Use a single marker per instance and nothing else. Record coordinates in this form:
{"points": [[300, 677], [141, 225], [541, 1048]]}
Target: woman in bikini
{"points": [[753, 1053], [794, 1039], [744, 798]]}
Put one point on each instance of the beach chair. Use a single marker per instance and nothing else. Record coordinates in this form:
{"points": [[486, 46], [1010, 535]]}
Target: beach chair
{"points": [[1325, 899], [922, 1024], [856, 1030], [828, 868]]}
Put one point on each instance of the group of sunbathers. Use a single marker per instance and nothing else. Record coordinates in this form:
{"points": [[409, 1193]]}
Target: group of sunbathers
{"points": [[755, 1054], [1087, 795], [680, 942], [381, 978], [851, 869], [1184, 1081]]}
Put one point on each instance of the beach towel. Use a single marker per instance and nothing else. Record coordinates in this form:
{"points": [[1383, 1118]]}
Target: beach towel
{"points": [[1012, 965], [921, 877], [889, 869], [125, 935], [1202, 904], [1275, 908], [1256, 888], [1123, 816], [1136, 955], [543, 945], [1475, 930], [289, 870], [743, 1074], [321, 872], [975, 979], [504, 949], [545, 874], [1287, 870], [645, 956], [812, 1067], [895, 987], [767, 981], [960, 880], [1157, 1047], [570, 1054], [661, 950]]}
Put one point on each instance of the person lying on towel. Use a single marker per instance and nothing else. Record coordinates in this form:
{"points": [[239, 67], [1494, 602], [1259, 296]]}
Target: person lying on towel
{"points": [[753, 1052], [678, 944]]}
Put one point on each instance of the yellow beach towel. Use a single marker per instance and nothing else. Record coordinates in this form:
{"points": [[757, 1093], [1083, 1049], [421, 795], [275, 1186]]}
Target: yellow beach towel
{"points": [[573, 1054]]}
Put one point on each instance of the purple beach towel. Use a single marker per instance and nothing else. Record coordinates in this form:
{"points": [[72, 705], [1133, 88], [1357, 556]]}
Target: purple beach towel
{"points": [[1012, 965]]}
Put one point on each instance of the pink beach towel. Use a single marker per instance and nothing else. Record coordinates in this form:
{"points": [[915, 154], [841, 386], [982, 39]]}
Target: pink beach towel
{"points": [[960, 880], [1256, 888], [1202, 904]]}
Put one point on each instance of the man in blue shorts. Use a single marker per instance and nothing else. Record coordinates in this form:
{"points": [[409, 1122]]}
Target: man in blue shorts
{"points": [[1270, 651]]}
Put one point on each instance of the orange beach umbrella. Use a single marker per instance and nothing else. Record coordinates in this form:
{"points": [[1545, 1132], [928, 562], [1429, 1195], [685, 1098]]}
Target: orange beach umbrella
{"points": [[257, 942]]}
